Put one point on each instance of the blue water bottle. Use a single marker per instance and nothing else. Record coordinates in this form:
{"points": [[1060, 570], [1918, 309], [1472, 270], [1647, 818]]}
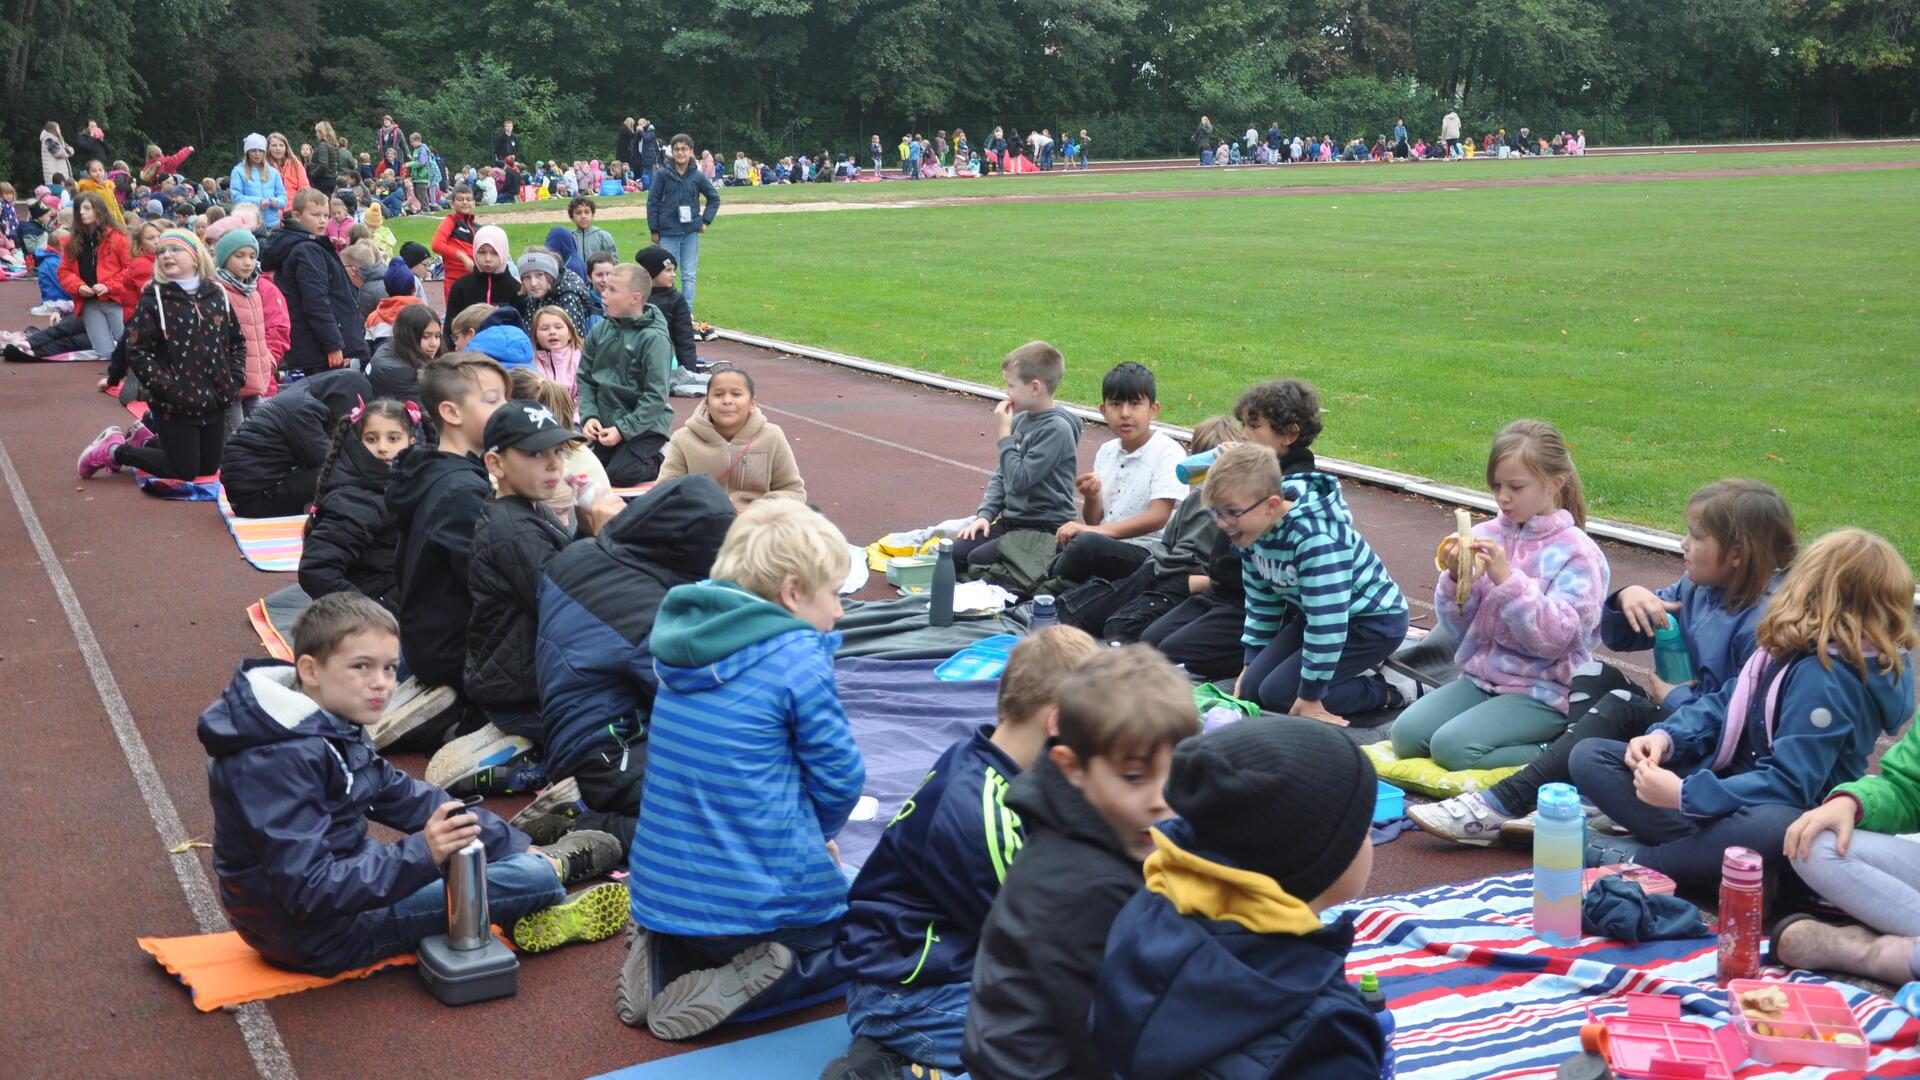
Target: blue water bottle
{"points": [[1559, 877], [1194, 469], [1671, 659], [1377, 1004]]}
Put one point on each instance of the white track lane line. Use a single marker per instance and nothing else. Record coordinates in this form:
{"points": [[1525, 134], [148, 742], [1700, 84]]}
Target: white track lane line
{"points": [[257, 1028]]}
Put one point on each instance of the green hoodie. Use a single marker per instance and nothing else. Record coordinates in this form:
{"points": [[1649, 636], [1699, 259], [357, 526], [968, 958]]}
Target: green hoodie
{"points": [[1890, 802], [625, 366], [706, 623]]}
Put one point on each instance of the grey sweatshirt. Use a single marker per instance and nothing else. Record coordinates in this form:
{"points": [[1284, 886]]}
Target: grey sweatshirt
{"points": [[1033, 486]]}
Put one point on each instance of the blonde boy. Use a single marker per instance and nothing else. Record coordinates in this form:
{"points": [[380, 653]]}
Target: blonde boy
{"points": [[751, 772]]}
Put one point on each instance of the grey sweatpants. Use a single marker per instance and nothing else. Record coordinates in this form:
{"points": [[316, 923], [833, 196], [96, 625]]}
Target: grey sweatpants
{"points": [[1877, 881]]}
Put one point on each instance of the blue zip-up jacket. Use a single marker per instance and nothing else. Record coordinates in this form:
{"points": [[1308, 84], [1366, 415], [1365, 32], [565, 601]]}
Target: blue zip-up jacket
{"points": [[259, 189], [914, 913], [1719, 640], [1824, 729], [672, 190], [751, 769], [1216, 972], [1314, 560], [293, 787], [598, 599]]}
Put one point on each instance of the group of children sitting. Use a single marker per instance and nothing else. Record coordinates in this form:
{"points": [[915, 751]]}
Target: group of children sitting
{"points": [[1068, 886]]}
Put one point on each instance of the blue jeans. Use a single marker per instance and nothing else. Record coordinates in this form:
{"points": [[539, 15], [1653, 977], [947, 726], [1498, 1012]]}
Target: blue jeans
{"points": [[1272, 677], [1685, 848], [811, 980], [517, 885], [685, 249], [923, 1023]]}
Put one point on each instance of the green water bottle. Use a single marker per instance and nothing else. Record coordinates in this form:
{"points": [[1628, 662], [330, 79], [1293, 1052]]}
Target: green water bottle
{"points": [[1671, 659]]}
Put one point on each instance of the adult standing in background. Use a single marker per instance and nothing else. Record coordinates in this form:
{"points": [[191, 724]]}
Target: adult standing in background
{"points": [[674, 214], [91, 145], [389, 137], [329, 162], [1203, 138], [505, 144], [1450, 132], [648, 147], [56, 157], [624, 140]]}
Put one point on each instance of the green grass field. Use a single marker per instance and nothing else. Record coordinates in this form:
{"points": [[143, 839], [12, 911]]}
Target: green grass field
{"points": [[1677, 332], [1242, 177]]}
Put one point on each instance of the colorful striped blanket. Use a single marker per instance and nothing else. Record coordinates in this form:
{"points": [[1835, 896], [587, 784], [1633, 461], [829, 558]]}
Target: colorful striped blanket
{"points": [[272, 544], [1477, 997]]}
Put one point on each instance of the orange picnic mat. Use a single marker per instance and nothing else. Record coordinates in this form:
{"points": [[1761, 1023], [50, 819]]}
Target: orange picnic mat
{"points": [[222, 969]]}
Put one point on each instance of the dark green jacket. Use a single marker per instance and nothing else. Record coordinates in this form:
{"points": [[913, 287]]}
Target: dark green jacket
{"points": [[624, 371]]}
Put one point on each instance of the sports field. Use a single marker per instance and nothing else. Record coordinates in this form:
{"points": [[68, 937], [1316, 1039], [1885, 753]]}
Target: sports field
{"points": [[1677, 330]]}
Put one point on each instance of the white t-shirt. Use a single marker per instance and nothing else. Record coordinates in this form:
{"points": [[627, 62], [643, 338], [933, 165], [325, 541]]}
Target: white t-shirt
{"points": [[1128, 482]]}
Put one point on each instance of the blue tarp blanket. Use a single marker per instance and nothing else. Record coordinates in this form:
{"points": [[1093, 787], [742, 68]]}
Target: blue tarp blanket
{"points": [[903, 718], [203, 489]]}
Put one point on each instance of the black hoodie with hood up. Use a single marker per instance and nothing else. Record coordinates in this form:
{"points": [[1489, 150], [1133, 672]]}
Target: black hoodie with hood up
{"points": [[293, 787], [437, 499], [351, 538]]}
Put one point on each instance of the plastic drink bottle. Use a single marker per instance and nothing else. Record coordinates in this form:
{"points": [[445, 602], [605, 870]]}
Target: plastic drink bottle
{"points": [[1559, 848], [1671, 659], [940, 594], [1742, 908], [1377, 1003], [1045, 613], [1194, 469]]}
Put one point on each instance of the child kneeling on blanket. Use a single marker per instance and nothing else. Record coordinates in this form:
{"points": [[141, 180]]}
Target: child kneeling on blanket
{"points": [[751, 772], [1222, 966], [915, 912], [293, 782]]}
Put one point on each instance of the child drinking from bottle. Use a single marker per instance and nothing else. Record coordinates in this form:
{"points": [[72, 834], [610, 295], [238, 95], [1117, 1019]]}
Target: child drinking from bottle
{"points": [[1737, 770]]}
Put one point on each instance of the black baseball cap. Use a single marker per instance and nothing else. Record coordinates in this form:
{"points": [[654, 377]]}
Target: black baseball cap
{"points": [[526, 425]]}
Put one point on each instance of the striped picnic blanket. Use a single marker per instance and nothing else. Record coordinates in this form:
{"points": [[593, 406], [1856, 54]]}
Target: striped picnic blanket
{"points": [[271, 544], [1477, 997]]}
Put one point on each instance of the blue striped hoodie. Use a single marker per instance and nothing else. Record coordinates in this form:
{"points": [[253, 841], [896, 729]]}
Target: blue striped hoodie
{"points": [[1313, 561], [751, 769]]}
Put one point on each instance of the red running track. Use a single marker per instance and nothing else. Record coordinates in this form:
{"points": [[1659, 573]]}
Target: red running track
{"points": [[162, 588]]}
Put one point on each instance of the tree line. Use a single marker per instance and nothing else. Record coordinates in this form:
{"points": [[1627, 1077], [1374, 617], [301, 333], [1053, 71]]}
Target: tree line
{"points": [[778, 76]]}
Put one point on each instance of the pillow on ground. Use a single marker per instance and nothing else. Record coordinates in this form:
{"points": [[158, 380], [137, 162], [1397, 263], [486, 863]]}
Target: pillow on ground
{"points": [[1422, 777]]}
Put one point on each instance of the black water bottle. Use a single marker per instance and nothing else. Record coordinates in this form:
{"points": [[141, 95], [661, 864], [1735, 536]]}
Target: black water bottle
{"points": [[940, 594]]}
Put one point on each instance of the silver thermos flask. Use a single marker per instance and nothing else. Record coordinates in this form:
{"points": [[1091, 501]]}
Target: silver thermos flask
{"points": [[467, 898]]}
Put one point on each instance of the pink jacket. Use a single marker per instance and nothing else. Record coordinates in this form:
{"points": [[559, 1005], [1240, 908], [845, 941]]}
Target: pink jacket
{"points": [[262, 315], [1531, 633], [562, 365]]}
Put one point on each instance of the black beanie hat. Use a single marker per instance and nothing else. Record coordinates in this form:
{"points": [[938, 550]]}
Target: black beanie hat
{"points": [[654, 258], [413, 253], [1281, 796]]}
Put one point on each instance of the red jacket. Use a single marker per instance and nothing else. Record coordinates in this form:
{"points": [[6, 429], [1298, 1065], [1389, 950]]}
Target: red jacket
{"points": [[165, 165], [111, 262], [451, 240], [127, 286]]}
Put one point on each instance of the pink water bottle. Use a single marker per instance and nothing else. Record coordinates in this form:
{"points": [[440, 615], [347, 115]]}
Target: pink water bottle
{"points": [[1741, 912]]}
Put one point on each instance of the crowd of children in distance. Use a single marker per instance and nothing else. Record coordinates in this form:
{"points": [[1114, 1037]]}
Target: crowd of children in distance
{"points": [[660, 672], [1273, 147]]}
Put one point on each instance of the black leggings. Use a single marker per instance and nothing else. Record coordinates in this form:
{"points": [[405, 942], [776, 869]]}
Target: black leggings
{"points": [[180, 450], [634, 461], [1094, 555], [1620, 715], [292, 495]]}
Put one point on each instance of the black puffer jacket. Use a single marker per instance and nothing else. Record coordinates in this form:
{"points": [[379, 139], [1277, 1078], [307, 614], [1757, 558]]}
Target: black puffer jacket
{"points": [[291, 430], [351, 540], [673, 304], [437, 499], [1043, 941], [322, 305], [597, 606], [515, 540], [393, 377]]}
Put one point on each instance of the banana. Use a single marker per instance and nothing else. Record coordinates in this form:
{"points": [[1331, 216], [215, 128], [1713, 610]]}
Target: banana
{"points": [[1463, 558]]}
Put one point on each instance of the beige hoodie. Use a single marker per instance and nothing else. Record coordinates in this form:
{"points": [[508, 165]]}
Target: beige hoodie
{"points": [[755, 463]]}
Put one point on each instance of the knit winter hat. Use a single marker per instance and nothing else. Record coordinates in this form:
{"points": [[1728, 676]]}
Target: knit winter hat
{"points": [[1281, 796], [183, 238], [413, 253], [495, 237], [539, 262], [231, 241], [255, 141], [398, 279], [374, 217], [654, 258]]}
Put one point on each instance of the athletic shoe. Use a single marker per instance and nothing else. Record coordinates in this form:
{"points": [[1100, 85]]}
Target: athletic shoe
{"points": [[699, 1001], [1613, 851], [99, 453], [1601, 823], [594, 914], [1463, 819], [1518, 832], [562, 798], [1408, 687], [586, 854], [140, 434], [413, 705], [41, 311], [633, 989], [868, 1060], [500, 780], [487, 748]]}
